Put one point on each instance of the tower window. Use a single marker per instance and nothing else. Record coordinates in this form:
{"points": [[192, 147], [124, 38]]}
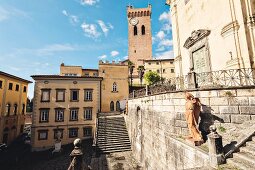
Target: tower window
{"points": [[135, 30], [143, 30], [134, 51], [114, 87]]}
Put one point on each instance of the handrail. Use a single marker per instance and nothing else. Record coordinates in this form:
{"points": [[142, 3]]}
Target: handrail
{"points": [[72, 164]]}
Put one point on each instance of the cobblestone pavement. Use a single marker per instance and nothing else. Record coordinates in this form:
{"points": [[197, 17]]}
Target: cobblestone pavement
{"points": [[115, 161], [46, 161]]}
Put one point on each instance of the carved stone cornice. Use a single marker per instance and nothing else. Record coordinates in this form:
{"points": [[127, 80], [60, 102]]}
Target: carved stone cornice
{"points": [[195, 37], [231, 27]]}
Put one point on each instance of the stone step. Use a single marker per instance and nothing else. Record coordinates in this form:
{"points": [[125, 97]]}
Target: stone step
{"points": [[246, 157], [112, 136], [114, 150], [111, 118], [112, 139], [250, 144], [112, 142], [240, 164], [111, 128], [248, 149], [113, 146], [112, 132], [103, 125]]}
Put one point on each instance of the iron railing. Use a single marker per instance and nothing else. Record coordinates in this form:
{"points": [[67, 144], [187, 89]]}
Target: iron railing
{"points": [[217, 79], [226, 78]]}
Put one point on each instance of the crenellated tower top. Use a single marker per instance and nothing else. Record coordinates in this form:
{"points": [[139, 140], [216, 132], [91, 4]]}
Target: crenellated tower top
{"points": [[138, 12]]}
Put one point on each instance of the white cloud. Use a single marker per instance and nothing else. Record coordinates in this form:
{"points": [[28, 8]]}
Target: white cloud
{"points": [[105, 28], [162, 48], [114, 53], [102, 57], [165, 55], [90, 30], [65, 12], [89, 2], [51, 49], [8, 12], [165, 16], [166, 42], [125, 58], [161, 35], [72, 18]]}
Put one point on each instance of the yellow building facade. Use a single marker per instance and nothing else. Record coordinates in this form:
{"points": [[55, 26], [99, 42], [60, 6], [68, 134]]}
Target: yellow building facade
{"points": [[69, 102], [114, 85], [164, 67], [13, 101]]}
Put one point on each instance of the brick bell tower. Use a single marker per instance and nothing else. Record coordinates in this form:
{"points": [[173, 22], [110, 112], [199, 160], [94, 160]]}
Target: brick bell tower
{"points": [[139, 35]]}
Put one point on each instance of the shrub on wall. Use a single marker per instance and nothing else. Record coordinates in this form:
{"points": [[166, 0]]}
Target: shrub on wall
{"points": [[151, 77]]}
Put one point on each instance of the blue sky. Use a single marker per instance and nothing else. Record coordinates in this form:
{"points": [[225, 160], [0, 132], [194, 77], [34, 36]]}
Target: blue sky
{"points": [[37, 36]]}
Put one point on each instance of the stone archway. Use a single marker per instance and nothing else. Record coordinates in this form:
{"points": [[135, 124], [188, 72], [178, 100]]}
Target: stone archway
{"points": [[112, 106]]}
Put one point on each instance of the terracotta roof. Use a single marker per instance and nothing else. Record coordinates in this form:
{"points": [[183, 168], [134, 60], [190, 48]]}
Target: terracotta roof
{"points": [[14, 77], [64, 77]]}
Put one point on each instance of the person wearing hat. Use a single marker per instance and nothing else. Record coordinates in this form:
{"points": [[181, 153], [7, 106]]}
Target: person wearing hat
{"points": [[192, 112]]}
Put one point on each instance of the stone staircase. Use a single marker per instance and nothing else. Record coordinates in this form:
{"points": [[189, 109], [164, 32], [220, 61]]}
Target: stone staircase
{"points": [[112, 135], [245, 157]]}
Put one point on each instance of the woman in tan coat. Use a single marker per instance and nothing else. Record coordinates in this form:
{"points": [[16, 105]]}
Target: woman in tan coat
{"points": [[192, 113]]}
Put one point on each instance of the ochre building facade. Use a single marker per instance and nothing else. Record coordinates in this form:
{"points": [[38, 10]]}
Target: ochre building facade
{"points": [[69, 102], [164, 67], [13, 101]]}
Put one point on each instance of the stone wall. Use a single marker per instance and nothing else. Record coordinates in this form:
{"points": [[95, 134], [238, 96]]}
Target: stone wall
{"points": [[156, 125]]}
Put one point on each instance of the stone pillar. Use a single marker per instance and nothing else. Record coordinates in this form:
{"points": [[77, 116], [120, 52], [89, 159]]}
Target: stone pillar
{"points": [[216, 153], [76, 155], [192, 84]]}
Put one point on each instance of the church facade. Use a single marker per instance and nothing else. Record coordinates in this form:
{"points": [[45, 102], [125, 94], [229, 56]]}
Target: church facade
{"points": [[212, 35]]}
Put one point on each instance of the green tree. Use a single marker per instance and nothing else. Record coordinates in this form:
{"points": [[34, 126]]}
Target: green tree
{"points": [[151, 77]]}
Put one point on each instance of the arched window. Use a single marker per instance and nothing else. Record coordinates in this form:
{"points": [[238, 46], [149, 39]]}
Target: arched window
{"points": [[141, 13], [143, 30], [117, 106], [148, 13], [15, 109], [114, 87], [112, 106], [8, 109], [135, 30]]}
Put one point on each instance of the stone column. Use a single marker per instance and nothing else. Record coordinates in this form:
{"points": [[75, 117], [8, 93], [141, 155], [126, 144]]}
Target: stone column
{"points": [[192, 84], [216, 153]]}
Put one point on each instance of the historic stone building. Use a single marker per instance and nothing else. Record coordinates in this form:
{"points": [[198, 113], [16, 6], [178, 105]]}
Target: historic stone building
{"points": [[13, 101], [164, 67], [212, 35], [69, 102], [139, 37]]}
